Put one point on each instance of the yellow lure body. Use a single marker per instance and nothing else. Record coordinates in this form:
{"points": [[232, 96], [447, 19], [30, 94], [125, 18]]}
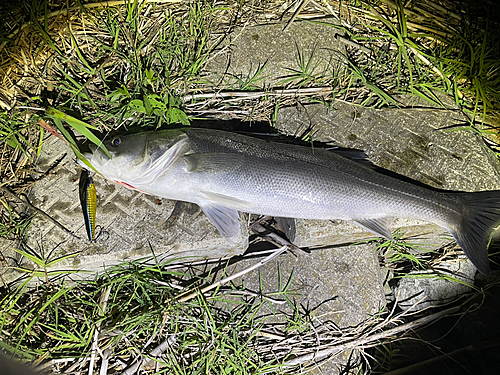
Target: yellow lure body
{"points": [[88, 200]]}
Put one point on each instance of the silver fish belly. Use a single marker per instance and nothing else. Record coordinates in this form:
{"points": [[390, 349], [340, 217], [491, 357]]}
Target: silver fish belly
{"points": [[225, 173]]}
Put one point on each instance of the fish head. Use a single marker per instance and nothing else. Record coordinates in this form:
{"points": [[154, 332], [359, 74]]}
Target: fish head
{"points": [[136, 159]]}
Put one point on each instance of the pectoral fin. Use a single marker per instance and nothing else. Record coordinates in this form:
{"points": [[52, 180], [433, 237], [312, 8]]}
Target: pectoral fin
{"points": [[376, 226], [226, 220]]}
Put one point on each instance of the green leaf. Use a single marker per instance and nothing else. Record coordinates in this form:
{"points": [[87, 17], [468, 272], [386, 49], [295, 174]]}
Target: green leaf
{"points": [[79, 126], [89, 70], [137, 105], [84, 160], [61, 258], [147, 106]]}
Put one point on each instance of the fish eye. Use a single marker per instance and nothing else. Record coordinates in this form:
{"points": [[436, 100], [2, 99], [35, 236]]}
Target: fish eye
{"points": [[116, 141]]}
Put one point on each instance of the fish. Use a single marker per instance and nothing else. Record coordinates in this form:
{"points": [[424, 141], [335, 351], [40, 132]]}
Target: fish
{"points": [[88, 201], [226, 173]]}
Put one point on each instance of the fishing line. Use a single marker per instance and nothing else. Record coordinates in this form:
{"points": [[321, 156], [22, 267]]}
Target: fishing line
{"points": [[110, 130], [105, 135]]}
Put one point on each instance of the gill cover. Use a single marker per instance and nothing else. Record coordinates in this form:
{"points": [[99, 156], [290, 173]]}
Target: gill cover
{"points": [[137, 159]]}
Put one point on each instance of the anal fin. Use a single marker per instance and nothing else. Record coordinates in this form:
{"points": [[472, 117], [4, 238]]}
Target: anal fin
{"points": [[226, 220], [287, 224], [376, 226]]}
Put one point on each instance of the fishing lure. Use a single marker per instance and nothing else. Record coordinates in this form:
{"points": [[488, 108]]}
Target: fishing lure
{"points": [[88, 200]]}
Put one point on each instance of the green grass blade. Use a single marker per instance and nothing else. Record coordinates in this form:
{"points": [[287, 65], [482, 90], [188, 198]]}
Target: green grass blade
{"points": [[35, 259], [79, 126]]}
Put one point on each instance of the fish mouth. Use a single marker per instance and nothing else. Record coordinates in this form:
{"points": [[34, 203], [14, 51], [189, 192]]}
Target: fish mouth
{"points": [[95, 158], [88, 157]]}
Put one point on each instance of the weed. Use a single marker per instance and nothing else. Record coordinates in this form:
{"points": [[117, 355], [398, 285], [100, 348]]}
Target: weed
{"points": [[21, 144], [305, 74], [132, 318], [12, 224], [153, 109], [358, 77], [472, 59], [248, 82], [44, 263], [13, 133]]}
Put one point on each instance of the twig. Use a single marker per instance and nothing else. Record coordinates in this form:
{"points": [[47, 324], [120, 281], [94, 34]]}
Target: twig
{"points": [[105, 361], [295, 14], [370, 340], [232, 277], [328, 7], [140, 362], [79, 362], [102, 305], [25, 201], [253, 294], [264, 232], [52, 362], [353, 44], [134, 367], [444, 10], [259, 94]]}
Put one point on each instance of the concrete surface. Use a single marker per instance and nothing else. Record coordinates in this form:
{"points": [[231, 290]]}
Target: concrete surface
{"points": [[280, 56], [340, 285]]}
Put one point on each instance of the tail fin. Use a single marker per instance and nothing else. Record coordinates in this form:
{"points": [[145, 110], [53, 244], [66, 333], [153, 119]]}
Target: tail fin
{"points": [[481, 214]]}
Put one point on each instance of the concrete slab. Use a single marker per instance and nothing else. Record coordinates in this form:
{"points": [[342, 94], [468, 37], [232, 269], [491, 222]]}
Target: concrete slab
{"points": [[279, 55], [338, 285], [331, 283]]}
